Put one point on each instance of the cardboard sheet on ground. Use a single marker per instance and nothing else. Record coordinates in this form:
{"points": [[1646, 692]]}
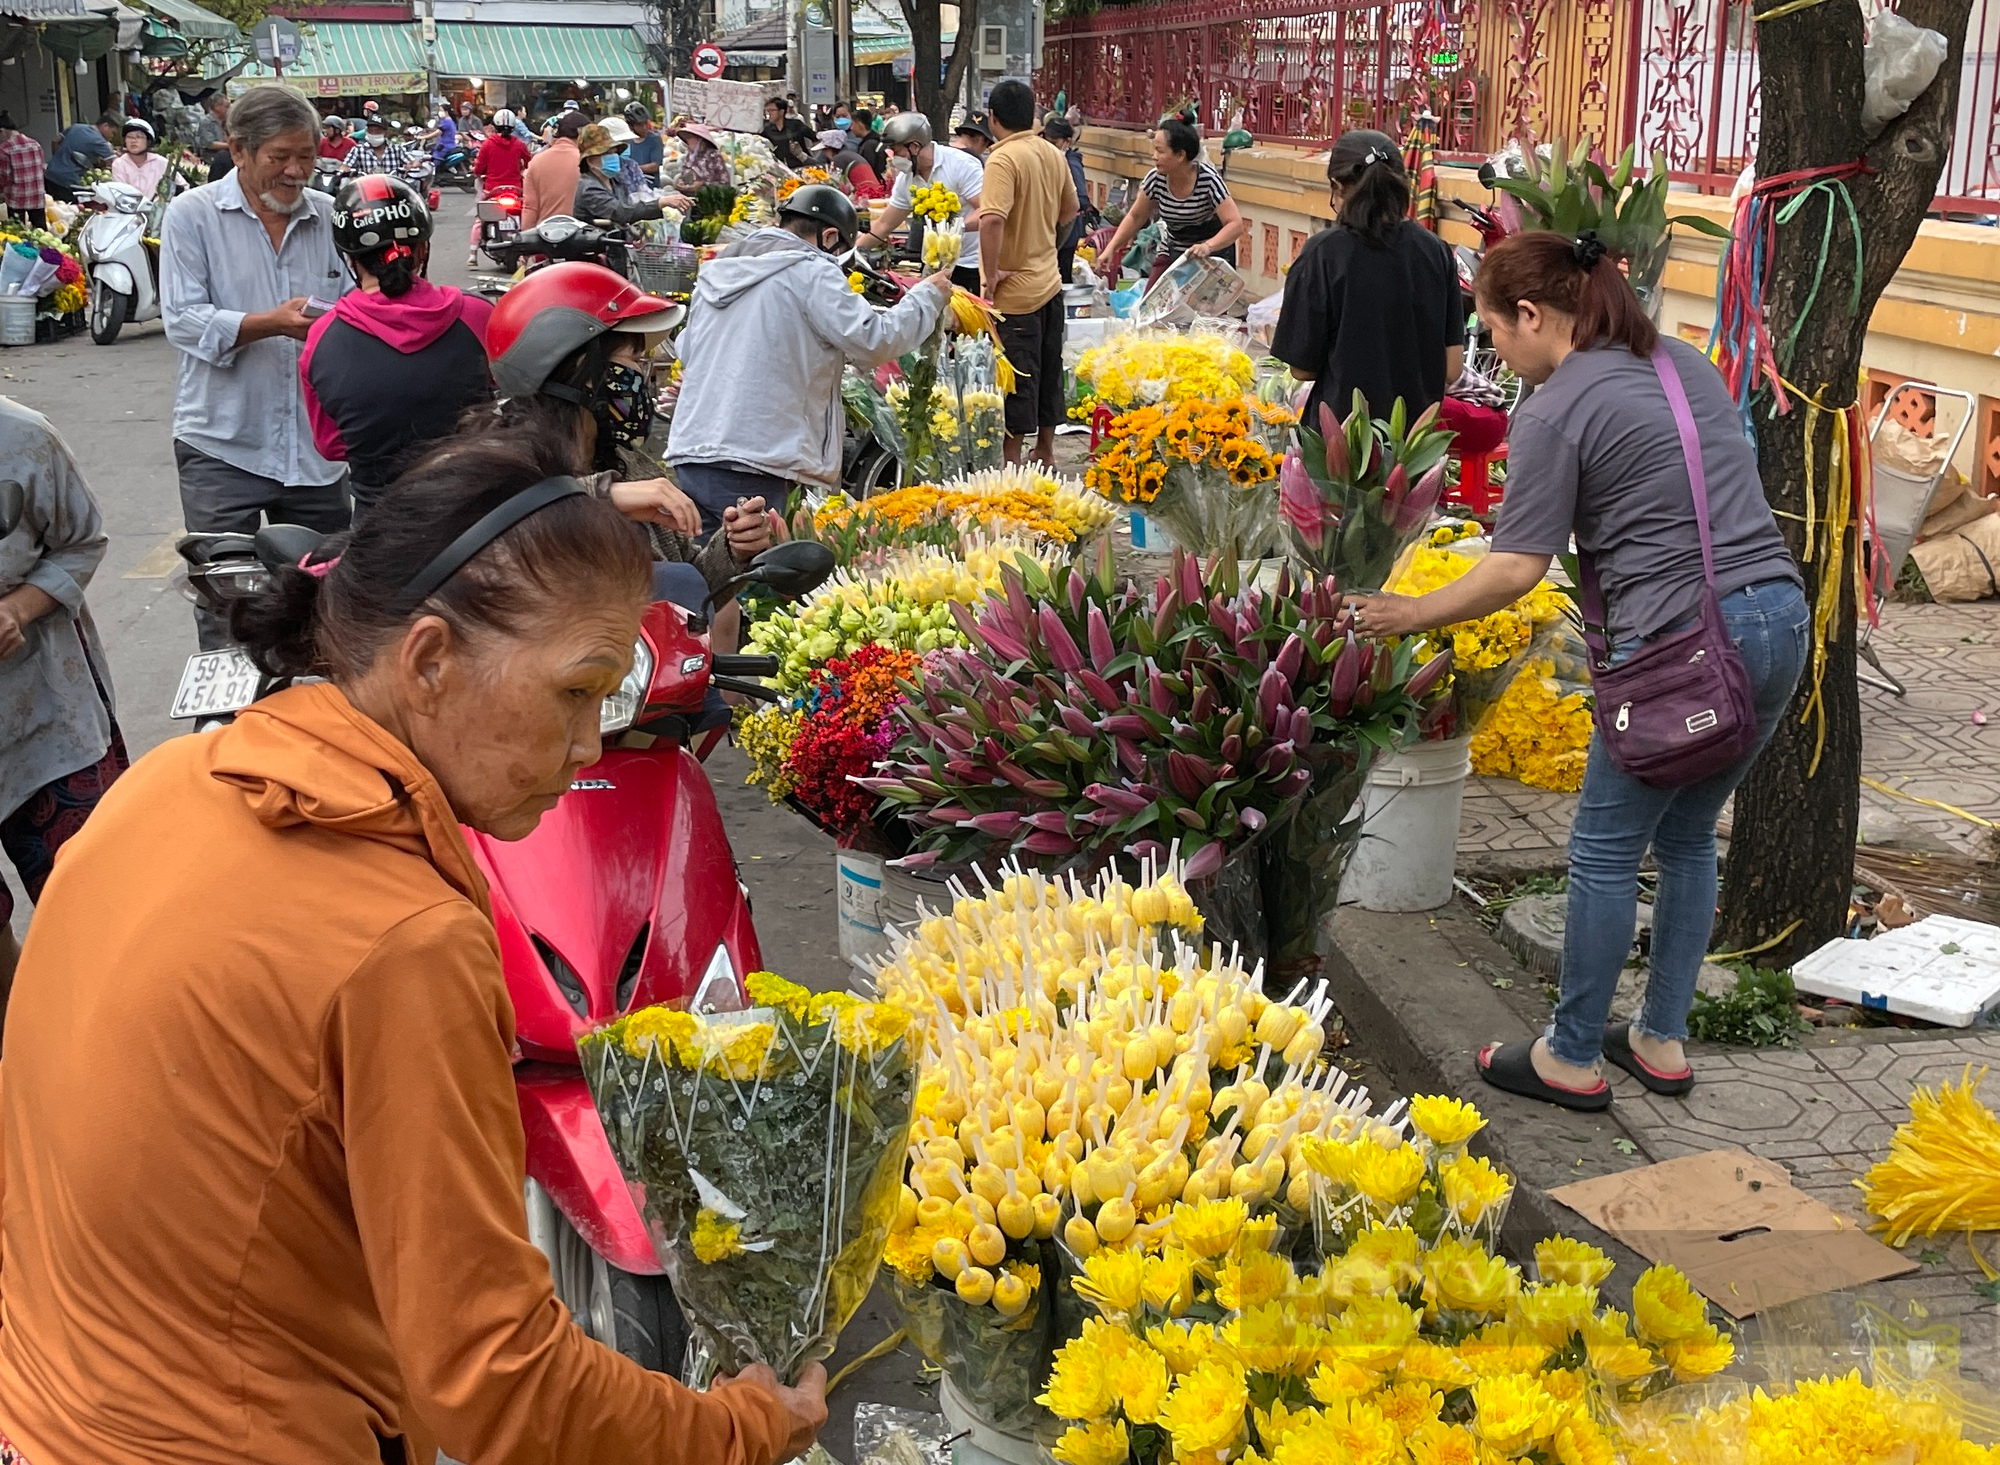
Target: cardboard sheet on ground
{"points": [[1747, 1238]]}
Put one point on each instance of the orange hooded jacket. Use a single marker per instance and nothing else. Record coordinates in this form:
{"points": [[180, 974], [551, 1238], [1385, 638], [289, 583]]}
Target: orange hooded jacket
{"points": [[262, 1159]]}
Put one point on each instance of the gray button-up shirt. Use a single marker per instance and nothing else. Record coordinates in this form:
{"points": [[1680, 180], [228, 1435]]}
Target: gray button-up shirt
{"points": [[243, 404], [52, 720]]}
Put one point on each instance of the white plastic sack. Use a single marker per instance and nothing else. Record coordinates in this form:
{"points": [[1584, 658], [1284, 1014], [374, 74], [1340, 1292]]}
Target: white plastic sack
{"points": [[1262, 317], [1900, 60]]}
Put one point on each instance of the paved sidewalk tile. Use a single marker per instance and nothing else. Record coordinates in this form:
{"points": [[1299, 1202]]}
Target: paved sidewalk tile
{"points": [[1828, 1113]]}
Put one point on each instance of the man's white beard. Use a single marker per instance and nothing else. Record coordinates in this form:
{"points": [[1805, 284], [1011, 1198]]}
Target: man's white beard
{"points": [[272, 202]]}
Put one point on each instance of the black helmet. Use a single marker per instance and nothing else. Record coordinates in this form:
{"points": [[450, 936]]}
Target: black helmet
{"points": [[375, 211], [826, 206], [636, 112]]}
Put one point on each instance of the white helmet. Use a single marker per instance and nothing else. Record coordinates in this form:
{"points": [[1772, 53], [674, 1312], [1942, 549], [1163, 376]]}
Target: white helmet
{"points": [[503, 118]]}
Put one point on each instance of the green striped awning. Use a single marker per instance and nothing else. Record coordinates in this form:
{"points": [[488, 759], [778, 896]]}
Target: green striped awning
{"points": [[192, 20], [540, 52], [345, 58]]}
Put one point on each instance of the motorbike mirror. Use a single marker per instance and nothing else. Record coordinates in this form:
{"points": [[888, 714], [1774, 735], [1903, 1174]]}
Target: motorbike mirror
{"points": [[792, 569], [1237, 139], [279, 545], [1486, 175]]}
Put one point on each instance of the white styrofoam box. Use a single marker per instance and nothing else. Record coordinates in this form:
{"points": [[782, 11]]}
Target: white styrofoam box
{"points": [[1942, 969]]}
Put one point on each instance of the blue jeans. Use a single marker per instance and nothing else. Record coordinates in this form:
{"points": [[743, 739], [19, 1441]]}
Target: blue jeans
{"points": [[1617, 817], [718, 486]]}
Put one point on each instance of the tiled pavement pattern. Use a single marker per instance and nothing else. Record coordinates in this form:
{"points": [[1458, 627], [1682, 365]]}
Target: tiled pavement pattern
{"points": [[1926, 743], [1827, 1112]]}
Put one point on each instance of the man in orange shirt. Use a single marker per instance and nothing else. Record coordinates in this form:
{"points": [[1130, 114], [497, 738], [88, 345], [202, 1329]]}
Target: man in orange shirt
{"points": [[549, 186], [1025, 204]]}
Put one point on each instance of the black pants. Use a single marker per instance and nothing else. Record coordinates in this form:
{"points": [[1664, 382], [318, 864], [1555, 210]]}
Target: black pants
{"points": [[60, 192], [37, 218], [1034, 345]]}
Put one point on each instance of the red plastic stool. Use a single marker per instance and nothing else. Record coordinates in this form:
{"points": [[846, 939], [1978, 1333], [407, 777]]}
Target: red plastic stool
{"points": [[1475, 489]]}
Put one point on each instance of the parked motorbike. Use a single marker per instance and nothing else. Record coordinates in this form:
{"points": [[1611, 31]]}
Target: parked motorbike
{"points": [[124, 270], [328, 174], [627, 894], [561, 238], [454, 169]]}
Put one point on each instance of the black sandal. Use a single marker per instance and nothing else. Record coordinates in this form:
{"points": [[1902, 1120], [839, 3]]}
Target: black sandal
{"points": [[1511, 1067], [1618, 1048]]}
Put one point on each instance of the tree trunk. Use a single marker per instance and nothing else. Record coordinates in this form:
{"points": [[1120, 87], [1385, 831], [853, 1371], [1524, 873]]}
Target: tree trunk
{"points": [[1790, 870], [928, 94]]}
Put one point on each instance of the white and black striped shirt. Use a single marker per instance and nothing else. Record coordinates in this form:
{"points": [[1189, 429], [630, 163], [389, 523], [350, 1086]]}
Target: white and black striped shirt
{"points": [[1186, 221]]}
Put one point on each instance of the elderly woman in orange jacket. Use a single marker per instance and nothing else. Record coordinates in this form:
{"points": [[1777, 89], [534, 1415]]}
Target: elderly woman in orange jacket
{"points": [[261, 1153]]}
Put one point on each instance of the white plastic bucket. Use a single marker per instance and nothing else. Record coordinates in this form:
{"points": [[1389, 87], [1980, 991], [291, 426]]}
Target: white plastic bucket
{"points": [[982, 1443], [17, 320], [857, 894], [1409, 830]]}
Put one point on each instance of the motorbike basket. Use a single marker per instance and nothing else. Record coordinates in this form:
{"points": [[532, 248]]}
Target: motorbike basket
{"points": [[664, 268]]}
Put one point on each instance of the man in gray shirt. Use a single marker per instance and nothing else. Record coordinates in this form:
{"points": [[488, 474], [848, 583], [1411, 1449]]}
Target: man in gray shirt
{"points": [[245, 265]]}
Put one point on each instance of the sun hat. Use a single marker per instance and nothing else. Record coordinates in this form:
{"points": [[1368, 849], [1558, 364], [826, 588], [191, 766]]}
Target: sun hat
{"points": [[595, 141]]}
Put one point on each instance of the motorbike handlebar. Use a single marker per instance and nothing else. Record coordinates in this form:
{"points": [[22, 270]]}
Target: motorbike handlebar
{"points": [[744, 666]]}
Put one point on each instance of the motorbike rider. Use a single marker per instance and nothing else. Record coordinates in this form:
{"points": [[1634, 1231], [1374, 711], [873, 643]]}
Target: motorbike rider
{"points": [[334, 139], [138, 165], [773, 320], [502, 163], [570, 346], [916, 159], [378, 152], [398, 359]]}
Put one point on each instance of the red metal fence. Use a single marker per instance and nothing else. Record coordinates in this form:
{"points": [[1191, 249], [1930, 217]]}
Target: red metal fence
{"points": [[1679, 75]]}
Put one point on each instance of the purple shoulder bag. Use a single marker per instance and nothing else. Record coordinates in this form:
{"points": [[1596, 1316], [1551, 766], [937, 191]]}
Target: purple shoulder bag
{"points": [[1679, 709]]}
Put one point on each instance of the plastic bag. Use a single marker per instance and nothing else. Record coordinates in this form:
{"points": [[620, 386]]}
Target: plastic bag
{"points": [[765, 1150], [1262, 318], [1900, 60]]}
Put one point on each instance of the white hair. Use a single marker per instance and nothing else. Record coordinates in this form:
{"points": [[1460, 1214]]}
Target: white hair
{"points": [[265, 112]]}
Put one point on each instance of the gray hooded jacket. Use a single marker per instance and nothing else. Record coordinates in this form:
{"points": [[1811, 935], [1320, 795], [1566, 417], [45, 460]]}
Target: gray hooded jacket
{"points": [[770, 328]]}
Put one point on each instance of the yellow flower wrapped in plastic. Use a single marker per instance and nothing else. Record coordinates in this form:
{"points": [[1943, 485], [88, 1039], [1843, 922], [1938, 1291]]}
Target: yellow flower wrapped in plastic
{"points": [[769, 1257]]}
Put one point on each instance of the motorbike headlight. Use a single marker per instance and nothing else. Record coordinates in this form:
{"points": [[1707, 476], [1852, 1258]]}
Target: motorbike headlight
{"points": [[623, 705]]}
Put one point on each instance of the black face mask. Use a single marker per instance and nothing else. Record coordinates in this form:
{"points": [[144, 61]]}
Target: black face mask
{"points": [[625, 405]]}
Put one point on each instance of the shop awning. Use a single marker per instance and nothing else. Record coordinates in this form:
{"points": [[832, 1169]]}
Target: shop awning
{"points": [[193, 21], [870, 51], [540, 52], [346, 58]]}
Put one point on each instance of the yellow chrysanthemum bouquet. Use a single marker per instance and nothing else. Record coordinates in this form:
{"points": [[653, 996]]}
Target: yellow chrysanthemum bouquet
{"points": [[1518, 682], [766, 1145], [1205, 469], [944, 228], [1396, 1350], [1160, 368], [1065, 1085], [1049, 509]]}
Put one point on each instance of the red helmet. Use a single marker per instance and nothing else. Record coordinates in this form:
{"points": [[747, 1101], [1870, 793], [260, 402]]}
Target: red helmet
{"points": [[556, 312]]}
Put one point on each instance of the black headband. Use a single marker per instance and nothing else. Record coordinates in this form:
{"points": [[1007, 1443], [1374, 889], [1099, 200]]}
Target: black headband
{"points": [[487, 528]]}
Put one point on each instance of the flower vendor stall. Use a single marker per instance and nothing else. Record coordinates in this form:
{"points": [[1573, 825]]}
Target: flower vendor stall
{"points": [[712, 1118], [41, 265]]}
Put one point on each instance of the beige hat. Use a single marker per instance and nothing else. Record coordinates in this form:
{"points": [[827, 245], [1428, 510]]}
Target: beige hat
{"points": [[594, 141], [621, 131]]}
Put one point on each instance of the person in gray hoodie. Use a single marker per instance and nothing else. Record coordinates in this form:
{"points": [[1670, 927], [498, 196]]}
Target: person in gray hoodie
{"points": [[771, 326]]}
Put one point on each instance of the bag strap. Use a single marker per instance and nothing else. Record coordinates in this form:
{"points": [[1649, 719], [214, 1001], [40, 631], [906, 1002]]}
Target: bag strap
{"points": [[1596, 634]]}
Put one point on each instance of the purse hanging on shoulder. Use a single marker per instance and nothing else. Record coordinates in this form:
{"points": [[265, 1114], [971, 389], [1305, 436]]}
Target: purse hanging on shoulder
{"points": [[1679, 709]]}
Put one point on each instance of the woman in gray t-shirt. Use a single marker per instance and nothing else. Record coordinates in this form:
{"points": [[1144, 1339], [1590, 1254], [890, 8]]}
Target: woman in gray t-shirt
{"points": [[1595, 455]]}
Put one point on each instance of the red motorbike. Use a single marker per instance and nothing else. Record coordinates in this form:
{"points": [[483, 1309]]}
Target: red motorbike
{"points": [[626, 895], [499, 221]]}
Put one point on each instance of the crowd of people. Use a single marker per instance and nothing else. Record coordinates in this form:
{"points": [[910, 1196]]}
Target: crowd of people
{"points": [[208, 1126]]}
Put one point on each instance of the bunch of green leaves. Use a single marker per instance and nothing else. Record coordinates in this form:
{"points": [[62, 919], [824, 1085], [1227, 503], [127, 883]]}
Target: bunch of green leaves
{"points": [[1762, 1012], [1096, 720], [708, 211], [1574, 192]]}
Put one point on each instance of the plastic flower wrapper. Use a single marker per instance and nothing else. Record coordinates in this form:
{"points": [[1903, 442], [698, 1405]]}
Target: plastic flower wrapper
{"points": [[1362, 491], [764, 1149]]}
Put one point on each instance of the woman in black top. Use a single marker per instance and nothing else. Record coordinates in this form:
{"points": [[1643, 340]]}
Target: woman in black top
{"points": [[1373, 303], [1197, 216]]}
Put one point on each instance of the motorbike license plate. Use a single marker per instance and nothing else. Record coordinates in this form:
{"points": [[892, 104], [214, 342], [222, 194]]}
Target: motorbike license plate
{"points": [[214, 683], [510, 225]]}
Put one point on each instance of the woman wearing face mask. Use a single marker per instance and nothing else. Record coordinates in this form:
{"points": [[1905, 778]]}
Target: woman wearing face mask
{"points": [[570, 345], [597, 193]]}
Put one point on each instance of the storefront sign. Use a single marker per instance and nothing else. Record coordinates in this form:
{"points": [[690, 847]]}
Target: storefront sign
{"points": [[383, 83], [822, 87], [736, 106]]}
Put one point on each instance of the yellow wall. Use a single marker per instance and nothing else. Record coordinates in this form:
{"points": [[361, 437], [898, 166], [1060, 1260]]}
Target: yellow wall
{"points": [[1939, 320]]}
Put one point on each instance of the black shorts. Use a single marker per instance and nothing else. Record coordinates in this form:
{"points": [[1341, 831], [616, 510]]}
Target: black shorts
{"points": [[1034, 345]]}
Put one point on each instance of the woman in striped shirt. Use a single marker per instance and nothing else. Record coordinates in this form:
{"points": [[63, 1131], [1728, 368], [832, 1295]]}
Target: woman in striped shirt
{"points": [[1197, 216]]}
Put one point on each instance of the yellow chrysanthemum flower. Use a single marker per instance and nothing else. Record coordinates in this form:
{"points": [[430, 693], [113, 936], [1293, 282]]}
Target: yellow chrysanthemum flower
{"points": [[1387, 1177], [715, 1239], [1665, 1309], [1372, 1333], [1433, 1363], [1460, 1276], [1444, 1121], [1512, 1411], [1273, 1338], [1208, 1228], [1205, 1410], [1472, 1187], [1253, 1278], [1141, 1381], [664, 1032], [1113, 1281], [1699, 1354], [1169, 1284], [1103, 1442], [1444, 1444], [1409, 1406], [768, 989], [1079, 1384], [1579, 1440], [1552, 1311], [1565, 1259], [1183, 1345], [1499, 1349]]}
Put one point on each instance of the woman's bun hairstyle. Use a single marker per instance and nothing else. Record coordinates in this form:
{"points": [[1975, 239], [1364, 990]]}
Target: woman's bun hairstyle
{"points": [[1375, 191], [1576, 276]]}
